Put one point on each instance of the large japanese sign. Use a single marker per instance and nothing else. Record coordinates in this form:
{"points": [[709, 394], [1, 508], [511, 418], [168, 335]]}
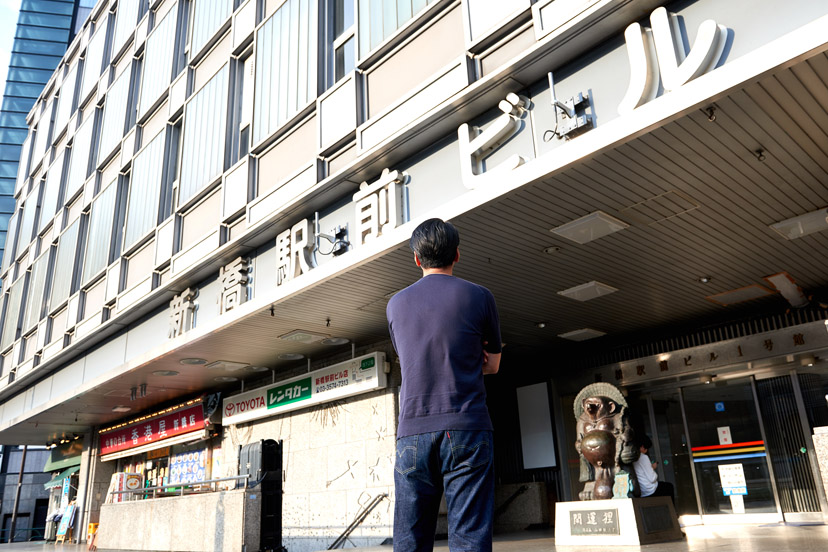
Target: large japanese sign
{"points": [[594, 522], [154, 429], [358, 375]]}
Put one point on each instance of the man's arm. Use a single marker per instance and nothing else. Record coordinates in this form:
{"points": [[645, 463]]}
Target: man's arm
{"points": [[491, 363]]}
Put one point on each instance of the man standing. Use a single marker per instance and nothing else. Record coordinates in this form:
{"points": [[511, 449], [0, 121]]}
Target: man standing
{"points": [[446, 332]]}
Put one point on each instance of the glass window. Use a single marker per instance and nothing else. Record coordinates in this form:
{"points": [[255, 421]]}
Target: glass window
{"points": [[158, 61], [23, 167], [12, 321], [205, 129], [27, 220], [8, 252], [99, 242], [93, 61], [145, 189], [34, 62], [46, 33], [115, 114], [64, 265], [34, 300], [126, 19], [208, 16], [42, 134], [341, 54], [285, 66], [380, 18], [82, 148], [66, 101], [51, 192]]}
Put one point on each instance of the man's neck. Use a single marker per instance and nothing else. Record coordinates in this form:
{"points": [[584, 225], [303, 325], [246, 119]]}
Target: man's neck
{"points": [[447, 270]]}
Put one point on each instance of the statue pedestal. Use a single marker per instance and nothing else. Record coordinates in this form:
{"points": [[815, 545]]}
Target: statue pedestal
{"points": [[627, 521]]}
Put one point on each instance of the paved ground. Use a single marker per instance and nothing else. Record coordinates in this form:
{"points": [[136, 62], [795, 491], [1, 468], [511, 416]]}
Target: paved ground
{"points": [[750, 538]]}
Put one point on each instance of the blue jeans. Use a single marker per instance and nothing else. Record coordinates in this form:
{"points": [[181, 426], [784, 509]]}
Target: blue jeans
{"points": [[462, 463]]}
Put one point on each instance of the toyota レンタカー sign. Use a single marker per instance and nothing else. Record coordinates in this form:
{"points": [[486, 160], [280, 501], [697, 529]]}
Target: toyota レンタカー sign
{"points": [[346, 379]]}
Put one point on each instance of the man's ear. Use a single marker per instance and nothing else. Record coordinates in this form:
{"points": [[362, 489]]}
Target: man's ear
{"points": [[417, 260], [457, 255]]}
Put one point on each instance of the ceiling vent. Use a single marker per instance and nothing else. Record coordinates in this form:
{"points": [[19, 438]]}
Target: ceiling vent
{"points": [[747, 293], [302, 336], [582, 335], [588, 291], [590, 227], [660, 208]]}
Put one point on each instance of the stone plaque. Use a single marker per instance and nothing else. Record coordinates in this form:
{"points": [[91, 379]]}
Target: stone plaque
{"points": [[594, 522]]}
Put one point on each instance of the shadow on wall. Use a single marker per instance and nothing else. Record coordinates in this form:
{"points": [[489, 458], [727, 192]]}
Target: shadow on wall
{"points": [[218, 535]]}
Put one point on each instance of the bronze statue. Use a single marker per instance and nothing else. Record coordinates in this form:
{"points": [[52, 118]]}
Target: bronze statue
{"points": [[605, 443]]}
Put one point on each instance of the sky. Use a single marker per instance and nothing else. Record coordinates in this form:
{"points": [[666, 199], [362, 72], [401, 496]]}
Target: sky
{"points": [[8, 22]]}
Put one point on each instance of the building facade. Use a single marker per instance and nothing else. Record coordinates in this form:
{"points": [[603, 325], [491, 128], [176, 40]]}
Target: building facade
{"points": [[212, 210]]}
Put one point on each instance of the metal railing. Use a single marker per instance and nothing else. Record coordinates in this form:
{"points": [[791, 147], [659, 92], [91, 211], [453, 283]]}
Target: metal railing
{"points": [[179, 488]]}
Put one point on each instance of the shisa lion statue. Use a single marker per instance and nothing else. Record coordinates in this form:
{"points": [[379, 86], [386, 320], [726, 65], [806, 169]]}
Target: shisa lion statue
{"points": [[605, 443]]}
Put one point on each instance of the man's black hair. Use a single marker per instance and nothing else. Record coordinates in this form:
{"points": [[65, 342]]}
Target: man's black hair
{"points": [[645, 441], [435, 243]]}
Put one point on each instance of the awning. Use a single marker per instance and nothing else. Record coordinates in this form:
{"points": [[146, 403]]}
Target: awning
{"points": [[57, 481], [64, 456]]}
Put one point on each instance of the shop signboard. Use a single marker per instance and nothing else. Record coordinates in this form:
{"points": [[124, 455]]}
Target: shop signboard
{"points": [[188, 467], [346, 379], [733, 479], [153, 429]]}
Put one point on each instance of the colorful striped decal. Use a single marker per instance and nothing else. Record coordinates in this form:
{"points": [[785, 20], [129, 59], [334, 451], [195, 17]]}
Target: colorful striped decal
{"points": [[734, 451]]}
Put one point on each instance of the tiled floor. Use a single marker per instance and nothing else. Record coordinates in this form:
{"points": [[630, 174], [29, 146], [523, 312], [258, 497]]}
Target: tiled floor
{"points": [[745, 538]]}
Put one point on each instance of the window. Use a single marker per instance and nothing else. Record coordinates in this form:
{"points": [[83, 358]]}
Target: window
{"points": [[27, 220], [23, 167], [145, 188], [205, 129], [42, 134], [12, 322], [126, 19], [159, 59], [115, 114], [51, 192], [208, 17], [242, 96], [8, 251], [34, 300], [341, 54], [93, 61], [66, 101], [99, 243], [285, 66], [79, 157], [64, 265], [378, 19]]}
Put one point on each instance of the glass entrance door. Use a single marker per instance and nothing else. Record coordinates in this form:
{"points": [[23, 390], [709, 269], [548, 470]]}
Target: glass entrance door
{"points": [[729, 453]]}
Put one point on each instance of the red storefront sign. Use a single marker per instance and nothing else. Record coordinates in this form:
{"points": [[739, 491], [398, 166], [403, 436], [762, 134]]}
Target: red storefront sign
{"points": [[153, 430]]}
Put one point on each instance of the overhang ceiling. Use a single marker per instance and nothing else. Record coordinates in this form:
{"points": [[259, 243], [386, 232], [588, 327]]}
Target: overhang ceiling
{"points": [[696, 196]]}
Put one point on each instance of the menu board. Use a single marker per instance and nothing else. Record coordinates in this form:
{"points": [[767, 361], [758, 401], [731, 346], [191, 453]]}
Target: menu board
{"points": [[188, 467]]}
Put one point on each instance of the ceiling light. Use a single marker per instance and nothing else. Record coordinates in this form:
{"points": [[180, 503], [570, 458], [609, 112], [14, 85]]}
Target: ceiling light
{"points": [[192, 361], [541, 325], [335, 341], [807, 360], [796, 227], [590, 290], [590, 227], [582, 335], [302, 336], [290, 356], [121, 408], [257, 368], [706, 378], [705, 279], [225, 379], [747, 293], [785, 284], [551, 250], [226, 365], [165, 373]]}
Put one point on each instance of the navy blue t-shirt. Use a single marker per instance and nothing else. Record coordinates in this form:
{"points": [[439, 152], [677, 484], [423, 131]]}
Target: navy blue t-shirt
{"points": [[438, 326]]}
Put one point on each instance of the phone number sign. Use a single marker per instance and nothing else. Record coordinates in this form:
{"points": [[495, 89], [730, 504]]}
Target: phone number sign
{"points": [[346, 379]]}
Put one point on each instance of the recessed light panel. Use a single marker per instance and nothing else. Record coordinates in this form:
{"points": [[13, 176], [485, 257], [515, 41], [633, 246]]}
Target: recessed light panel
{"points": [[291, 356], [192, 361], [740, 295], [796, 227], [590, 227], [121, 408], [335, 341], [588, 291], [582, 335], [165, 373], [225, 379], [302, 336], [787, 286], [226, 365]]}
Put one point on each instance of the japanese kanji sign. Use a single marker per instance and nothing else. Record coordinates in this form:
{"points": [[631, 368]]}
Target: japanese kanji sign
{"points": [[594, 522], [185, 420]]}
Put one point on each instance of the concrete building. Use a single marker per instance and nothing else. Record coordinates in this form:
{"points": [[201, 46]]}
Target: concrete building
{"points": [[213, 208]]}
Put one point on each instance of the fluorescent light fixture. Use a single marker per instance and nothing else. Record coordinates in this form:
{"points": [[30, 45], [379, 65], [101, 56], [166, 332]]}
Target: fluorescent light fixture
{"points": [[588, 291], [582, 335], [165, 373], [257, 368], [787, 286], [225, 379], [121, 408], [291, 356], [335, 341], [796, 227], [192, 361], [740, 295], [226, 365], [302, 336], [590, 227]]}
